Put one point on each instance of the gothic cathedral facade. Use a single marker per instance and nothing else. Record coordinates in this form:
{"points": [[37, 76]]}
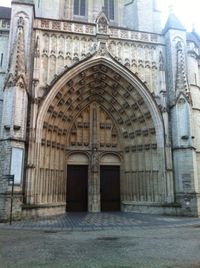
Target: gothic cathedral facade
{"points": [[99, 109]]}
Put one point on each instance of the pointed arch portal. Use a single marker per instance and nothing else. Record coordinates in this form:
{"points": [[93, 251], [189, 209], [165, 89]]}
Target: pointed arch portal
{"points": [[100, 110]]}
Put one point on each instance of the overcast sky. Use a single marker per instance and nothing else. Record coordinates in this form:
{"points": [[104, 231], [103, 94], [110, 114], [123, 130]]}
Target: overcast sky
{"points": [[186, 11]]}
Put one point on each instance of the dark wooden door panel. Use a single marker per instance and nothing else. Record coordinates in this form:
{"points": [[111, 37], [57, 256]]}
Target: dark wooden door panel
{"points": [[77, 184], [110, 188]]}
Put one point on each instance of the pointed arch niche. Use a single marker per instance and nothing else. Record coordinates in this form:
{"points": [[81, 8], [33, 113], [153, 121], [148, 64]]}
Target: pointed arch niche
{"points": [[99, 105]]}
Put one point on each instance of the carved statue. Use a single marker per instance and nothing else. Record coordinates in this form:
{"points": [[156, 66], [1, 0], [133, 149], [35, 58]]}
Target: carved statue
{"points": [[102, 26], [94, 161]]}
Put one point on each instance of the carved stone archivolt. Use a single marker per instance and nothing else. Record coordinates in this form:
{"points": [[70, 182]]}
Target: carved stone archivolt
{"points": [[99, 132], [128, 110], [98, 110]]}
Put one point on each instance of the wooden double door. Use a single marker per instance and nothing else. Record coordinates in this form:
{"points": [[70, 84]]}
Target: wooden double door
{"points": [[77, 188]]}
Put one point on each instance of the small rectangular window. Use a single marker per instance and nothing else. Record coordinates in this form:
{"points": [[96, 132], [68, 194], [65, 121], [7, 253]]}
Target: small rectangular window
{"points": [[17, 164], [109, 9], [79, 7], [195, 79], [106, 7], [82, 8], [1, 60], [76, 7]]}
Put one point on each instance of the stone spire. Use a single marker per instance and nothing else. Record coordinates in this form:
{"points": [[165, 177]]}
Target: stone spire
{"points": [[173, 22], [17, 68], [194, 36]]}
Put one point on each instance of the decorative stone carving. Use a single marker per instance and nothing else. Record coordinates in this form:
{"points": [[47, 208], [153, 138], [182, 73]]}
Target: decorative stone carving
{"points": [[37, 47], [86, 118], [67, 26], [17, 69], [94, 161], [102, 49], [181, 101], [132, 56], [56, 25], [102, 23], [181, 78], [161, 62], [45, 24]]}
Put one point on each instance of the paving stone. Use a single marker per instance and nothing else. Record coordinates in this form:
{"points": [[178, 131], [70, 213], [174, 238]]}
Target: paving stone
{"points": [[102, 221]]}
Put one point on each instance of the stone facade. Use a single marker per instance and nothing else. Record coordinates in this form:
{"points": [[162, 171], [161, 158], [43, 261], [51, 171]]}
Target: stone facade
{"points": [[99, 89]]}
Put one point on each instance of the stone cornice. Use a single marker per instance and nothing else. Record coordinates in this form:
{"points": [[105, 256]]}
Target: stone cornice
{"points": [[183, 148], [91, 29]]}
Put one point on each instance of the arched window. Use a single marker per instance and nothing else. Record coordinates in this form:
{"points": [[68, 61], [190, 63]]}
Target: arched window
{"points": [[79, 7], [109, 9]]}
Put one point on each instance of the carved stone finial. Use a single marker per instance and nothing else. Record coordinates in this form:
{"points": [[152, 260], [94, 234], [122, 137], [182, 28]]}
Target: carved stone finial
{"points": [[171, 9], [193, 27]]}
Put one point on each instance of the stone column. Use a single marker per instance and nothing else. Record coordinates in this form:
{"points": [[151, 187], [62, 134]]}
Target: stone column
{"points": [[184, 152], [94, 178], [13, 131]]}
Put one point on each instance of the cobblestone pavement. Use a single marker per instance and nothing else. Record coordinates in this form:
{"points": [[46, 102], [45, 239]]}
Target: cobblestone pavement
{"points": [[101, 240], [102, 221]]}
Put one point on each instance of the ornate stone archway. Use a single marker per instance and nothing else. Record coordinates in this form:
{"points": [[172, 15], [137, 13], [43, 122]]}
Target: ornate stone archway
{"points": [[98, 106]]}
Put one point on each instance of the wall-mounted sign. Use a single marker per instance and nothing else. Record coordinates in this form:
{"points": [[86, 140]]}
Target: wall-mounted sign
{"points": [[16, 164]]}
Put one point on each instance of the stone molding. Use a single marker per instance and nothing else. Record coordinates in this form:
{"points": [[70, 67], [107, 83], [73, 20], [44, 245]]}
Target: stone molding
{"points": [[92, 29]]}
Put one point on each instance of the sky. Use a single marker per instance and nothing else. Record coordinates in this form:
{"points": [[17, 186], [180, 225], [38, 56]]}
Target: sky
{"points": [[186, 11]]}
